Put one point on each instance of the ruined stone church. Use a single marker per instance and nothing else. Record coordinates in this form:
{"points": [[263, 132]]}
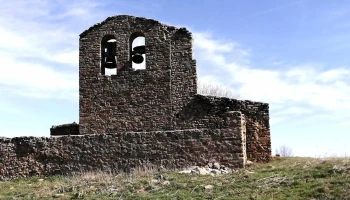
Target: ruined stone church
{"points": [[136, 116]]}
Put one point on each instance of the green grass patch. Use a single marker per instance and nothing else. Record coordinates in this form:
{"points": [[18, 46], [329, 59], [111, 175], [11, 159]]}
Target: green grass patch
{"points": [[283, 178]]}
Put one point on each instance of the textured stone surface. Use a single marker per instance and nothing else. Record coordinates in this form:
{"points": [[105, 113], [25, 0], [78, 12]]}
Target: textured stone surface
{"points": [[141, 100], [207, 112], [162, 97], [206, 170], [65, 129], [41, 156]]}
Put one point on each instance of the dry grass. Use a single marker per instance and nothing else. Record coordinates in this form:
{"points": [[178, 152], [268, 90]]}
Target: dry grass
{"points": [[212, 89], [283, 178]]}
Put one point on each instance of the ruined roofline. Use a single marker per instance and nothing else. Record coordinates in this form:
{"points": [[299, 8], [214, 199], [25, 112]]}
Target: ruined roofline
{"points": [[120, 17], [213, 98], [64, 125], [117, 134]]}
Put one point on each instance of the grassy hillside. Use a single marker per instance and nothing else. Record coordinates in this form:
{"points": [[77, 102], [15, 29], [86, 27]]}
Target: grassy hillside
{"points": [[283, 178]]}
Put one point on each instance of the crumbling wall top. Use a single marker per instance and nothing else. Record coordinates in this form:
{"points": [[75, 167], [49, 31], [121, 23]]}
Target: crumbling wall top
{"points": [[140, 20]]}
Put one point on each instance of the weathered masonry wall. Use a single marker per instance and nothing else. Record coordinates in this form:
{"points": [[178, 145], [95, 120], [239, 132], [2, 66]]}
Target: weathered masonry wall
{"points": [[208, 112], [163, 96], [41, 156], [141, 100], [65, 129]]}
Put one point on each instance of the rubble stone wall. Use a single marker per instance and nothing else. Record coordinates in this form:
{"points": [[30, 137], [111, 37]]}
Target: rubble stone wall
{"points": [[65, 129], [209, 112], [163, 96], [42, 156], [142, 116], [141, 100]]}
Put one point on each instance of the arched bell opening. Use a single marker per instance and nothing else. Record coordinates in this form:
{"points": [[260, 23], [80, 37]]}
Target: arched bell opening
{"points": [[108, 55], [137, 46]]}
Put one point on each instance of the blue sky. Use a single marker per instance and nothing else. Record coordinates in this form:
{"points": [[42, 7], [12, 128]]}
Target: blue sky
{"points": [[291, 54]]}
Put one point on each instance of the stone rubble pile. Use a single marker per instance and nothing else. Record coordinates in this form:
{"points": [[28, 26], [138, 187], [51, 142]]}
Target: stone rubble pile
{"points": [[213, 168]]}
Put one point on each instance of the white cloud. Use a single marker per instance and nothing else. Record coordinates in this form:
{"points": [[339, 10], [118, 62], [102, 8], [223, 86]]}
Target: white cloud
{"points": [[37, 52], [218, 51], [66, 57], [294, 111], [345, 123], [334, 75], [203, 41], [40, 44], [313, 85], [36, 80]]}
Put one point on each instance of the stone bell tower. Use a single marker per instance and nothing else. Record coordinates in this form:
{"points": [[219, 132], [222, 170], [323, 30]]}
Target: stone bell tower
{"points": [[134, 100]]}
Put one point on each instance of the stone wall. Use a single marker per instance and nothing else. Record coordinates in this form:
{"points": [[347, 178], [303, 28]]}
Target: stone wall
{"points": [[208, 112], [41, 156], [142, 100], [161, 97], [65, 129]]}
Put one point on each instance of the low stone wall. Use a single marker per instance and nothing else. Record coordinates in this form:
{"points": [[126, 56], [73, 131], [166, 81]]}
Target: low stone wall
{"points": [[65, 129], [42, 156], [209, 112]]}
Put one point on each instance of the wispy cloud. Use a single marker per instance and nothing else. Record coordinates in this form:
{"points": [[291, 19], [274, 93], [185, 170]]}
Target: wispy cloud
{"points": [[36, 80], [272, 9], [345, 123], [301, 89], [220, 51], [38, 53]]}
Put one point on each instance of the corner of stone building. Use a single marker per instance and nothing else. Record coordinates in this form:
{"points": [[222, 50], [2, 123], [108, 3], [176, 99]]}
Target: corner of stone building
{"points": [[244, 139], [236, 123]]}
